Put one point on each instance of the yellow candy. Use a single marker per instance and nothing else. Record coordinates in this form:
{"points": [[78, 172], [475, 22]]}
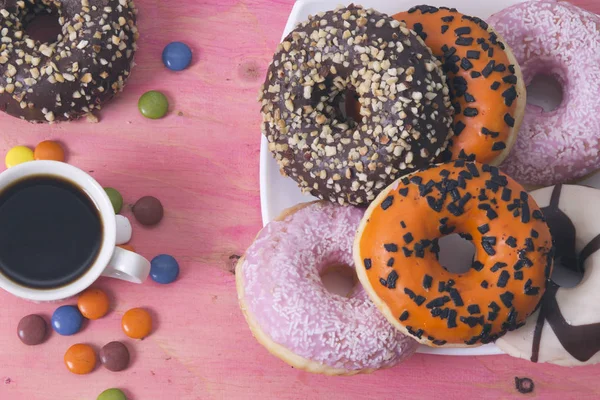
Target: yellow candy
{"points": [[18, 155]]}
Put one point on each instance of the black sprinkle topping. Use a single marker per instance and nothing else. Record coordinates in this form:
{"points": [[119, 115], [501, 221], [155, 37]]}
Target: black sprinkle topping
{"points": [[391, 280], [387, 203], [390, 247], [469, 98], [463, 41], [419, 300], [445, 28], [390, 262], [472, 321], [402, 224], [452, 319], [473, 54], [407, 252], [489, 68], [427, 281], [507, 298], [484, 284], [506, 194], [438, 302], [367, 262], [497, 146], [473, 169], [408, 238], [512, 79], [487, 132], [473, 309], [466, 64], [518, 275], [534, 234], [498, 266], [448, 18], [475, 74], [483, 229], [455, 296], [470, 112], [477, 265], [404, 316], [511, 241], [459, 127], [403, 192], [509, 95], [503, 279], [510, 121], [495, 85], [463, 30]]}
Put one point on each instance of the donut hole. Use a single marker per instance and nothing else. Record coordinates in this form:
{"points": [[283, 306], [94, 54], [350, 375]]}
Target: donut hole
{"points": [[350, 106], [339, 279], [545, 91], [566, 275], [456, 253], [41, 23]]}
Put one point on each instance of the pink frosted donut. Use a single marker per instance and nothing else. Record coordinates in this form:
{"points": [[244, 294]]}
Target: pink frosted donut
{"points": [[559, 39], [294, 316]]}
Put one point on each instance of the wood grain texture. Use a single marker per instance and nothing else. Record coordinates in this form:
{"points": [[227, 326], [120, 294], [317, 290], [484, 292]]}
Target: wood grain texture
{"points": [[202, 162]]}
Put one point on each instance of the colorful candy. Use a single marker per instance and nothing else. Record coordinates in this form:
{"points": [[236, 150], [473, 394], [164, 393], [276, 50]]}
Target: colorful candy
{"points": [[148, 210], [67, 320], [115, 198], [93, 303], [18, 155], [32, 330], [153, 104], [127, 247], [114, 356], [124, 229], [80, 359], [112, 394], [177, 56], [137, 323], [49, 150], [164, 269]]}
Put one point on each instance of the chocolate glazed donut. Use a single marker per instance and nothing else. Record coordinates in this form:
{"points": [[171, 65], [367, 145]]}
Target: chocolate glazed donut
{"points": [[405, 109], [84, 67]]}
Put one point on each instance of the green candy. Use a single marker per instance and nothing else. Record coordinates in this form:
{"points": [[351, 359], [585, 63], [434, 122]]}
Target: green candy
{"points": [[153, 104], [112, 394], [115, 198]]}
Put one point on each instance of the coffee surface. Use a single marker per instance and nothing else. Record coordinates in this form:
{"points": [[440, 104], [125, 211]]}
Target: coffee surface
{"points": [[50, 232]]}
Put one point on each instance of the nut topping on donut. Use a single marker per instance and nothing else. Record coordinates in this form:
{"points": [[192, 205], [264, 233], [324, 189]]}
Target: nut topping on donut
{"points": [[62, 80], [405, 110]]}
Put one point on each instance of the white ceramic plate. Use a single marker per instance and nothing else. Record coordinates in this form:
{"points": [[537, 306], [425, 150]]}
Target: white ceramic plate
{"points": [[278, 193]]}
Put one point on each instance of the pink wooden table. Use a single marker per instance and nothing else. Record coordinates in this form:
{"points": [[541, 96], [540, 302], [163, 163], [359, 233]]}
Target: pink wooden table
{"points": [[202, 162]]}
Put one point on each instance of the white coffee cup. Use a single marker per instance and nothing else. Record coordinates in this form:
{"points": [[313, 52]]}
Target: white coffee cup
{"points": [[110, 261]]}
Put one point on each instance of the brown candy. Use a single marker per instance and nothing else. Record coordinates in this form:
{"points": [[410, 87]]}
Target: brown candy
{"points": [[114, 356], [148, 210], [32, 330]]}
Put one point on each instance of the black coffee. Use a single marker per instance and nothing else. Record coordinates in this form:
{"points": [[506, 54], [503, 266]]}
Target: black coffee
{"points": [[50, 232]]}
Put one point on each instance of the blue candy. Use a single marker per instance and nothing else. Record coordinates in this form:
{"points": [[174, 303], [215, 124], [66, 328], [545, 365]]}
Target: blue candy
{"points": [[177, 56], [164, 269], [67, 320]]}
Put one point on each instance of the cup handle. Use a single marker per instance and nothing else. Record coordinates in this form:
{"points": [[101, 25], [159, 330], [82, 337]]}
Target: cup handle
{"points": [[128, 266]]}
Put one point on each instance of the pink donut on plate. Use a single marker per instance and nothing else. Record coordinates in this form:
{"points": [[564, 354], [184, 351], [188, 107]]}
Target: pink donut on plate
{"points": [[561, 40], [290, 311]]}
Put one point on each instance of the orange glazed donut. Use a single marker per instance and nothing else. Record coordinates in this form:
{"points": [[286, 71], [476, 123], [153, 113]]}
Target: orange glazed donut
{"points": [[396, 253], [485, 81]]}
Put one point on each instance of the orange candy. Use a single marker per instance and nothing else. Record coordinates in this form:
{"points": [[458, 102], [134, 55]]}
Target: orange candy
{"points": [[49, 150], [80, 359], [127, 247], [93, 303], [137, 323]]}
